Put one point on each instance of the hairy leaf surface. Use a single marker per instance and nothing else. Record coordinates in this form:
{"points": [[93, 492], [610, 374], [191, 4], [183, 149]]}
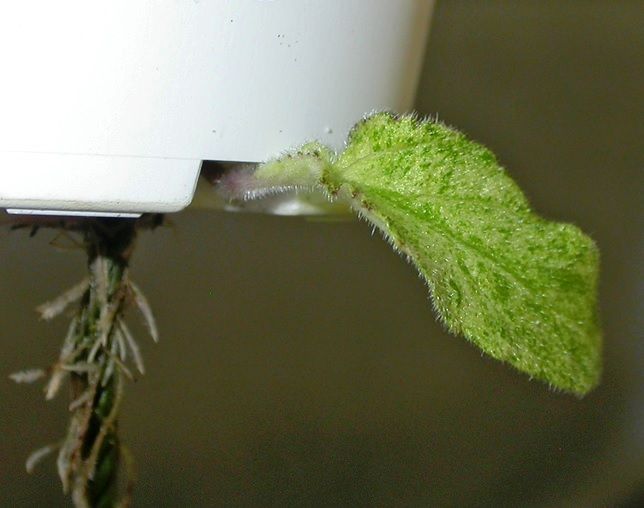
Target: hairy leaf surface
{"points": [[521, 288]]}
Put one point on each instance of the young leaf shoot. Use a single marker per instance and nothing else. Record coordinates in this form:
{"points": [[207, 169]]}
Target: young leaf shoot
{"points": [[521, 288]]}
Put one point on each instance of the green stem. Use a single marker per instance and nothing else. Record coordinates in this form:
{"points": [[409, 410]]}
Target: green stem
{"points": [[89, 460]]}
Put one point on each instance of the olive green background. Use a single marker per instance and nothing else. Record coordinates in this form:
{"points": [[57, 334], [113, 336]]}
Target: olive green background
{"points": [[300, 362]]}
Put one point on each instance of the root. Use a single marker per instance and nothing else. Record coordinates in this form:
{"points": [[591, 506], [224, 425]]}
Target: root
{"points": [[93, 360]]}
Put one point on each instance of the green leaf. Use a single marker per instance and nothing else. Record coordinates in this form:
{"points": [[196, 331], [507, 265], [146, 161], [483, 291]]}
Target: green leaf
{"points": [[521, 288]]}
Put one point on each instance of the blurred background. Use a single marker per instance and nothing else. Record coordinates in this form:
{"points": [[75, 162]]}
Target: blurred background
{"points": [[300, 362]]}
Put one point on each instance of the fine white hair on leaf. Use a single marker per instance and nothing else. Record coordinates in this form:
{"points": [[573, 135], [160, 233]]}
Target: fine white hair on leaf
{"points": [[264, 192], [237, 182], [146, 311], [55, 307], [37, 456]]}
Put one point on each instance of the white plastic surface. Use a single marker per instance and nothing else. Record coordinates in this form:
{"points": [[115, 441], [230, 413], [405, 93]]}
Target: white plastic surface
{"points": [[95, 183], [236, 80]]}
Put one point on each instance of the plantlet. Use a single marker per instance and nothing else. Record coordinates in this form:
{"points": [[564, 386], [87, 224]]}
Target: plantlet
{"points": [[521, 288]]}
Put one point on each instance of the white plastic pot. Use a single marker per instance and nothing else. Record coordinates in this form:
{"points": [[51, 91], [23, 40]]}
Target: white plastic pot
{"points": [[111, 106]]}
